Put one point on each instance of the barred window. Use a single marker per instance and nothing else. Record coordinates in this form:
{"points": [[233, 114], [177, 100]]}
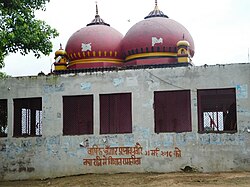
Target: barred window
{"points": [[217, 110], [172, 111], [28, 117], [115, 113], [78, 115], [3, 118]]}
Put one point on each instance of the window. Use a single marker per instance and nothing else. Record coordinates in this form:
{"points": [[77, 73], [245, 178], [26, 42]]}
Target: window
{"points": [[78, 115], [3, 118], [172, 111], [217, 110], [115, 113], [28, 117]]}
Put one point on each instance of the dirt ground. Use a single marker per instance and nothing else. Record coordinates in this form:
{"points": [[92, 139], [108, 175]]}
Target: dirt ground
{"points": [[240, 179]]}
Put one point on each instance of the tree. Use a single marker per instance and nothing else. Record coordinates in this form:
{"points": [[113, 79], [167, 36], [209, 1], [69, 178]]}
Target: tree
{"points": [[21, 31], [3, 75]]}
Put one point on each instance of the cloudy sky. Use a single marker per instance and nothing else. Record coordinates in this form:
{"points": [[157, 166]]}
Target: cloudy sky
{"points": [[220, 28]]}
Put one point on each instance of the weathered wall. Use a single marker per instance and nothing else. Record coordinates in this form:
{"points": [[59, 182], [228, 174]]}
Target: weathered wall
{"points": [[54, 155]]}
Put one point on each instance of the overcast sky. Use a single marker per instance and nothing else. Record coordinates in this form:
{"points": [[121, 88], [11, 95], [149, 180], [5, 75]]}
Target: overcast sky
{"points": [[220, 28]]}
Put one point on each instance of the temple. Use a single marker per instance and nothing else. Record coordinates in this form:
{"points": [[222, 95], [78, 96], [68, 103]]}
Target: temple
{"points": [[133, 103], [99, 46]]}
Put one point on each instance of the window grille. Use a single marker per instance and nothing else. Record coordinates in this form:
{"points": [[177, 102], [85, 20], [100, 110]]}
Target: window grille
{"points": [[26, 122], [28, 117], [217, 110], [39, 115], [3, 118], [172, 111]]}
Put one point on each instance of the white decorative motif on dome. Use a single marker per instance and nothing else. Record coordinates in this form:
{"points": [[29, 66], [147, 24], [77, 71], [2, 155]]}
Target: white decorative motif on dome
{"points": [[86, 47], [155, 40]]}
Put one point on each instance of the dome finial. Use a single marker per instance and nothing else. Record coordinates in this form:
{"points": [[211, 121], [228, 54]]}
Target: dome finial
{"points": [[96, 7], [61, 46], [98, 20], [156, 12], [156, 5]]}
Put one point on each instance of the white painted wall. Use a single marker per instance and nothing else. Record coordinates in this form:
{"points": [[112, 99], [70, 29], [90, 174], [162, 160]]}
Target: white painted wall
{"points": [[54, 155]]}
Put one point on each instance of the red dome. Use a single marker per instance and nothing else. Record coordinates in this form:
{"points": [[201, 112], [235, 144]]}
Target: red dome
{"points": [[155, 36], [97, 45]]}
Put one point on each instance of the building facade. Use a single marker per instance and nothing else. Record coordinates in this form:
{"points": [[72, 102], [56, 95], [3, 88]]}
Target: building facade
{"points": [[142, 120], [126, 104]]}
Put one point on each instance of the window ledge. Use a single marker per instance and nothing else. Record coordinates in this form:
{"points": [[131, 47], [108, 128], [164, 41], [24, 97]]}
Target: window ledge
{"points": [[217, 132]]}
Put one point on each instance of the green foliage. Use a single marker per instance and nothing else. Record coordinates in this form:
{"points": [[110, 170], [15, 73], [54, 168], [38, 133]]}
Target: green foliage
{"points": [[20, 31], [3, 75]]}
